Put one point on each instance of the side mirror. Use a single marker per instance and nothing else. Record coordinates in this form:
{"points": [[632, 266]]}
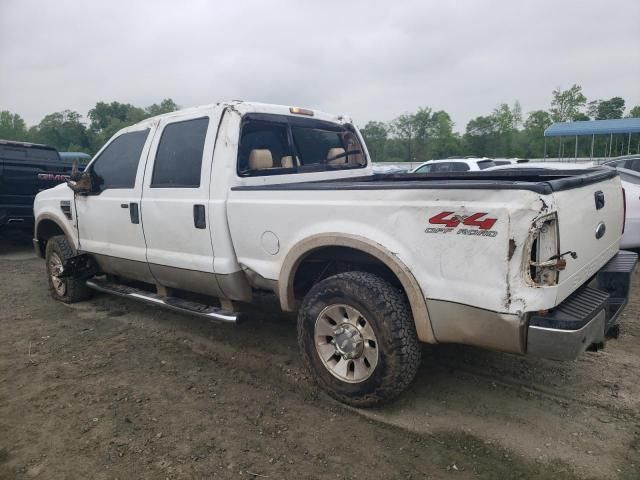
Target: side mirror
{"points": [[80, 182]]}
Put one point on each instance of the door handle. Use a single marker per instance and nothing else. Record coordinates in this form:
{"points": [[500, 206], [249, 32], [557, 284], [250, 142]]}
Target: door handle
{"points": [[199, 220], [134, 212]]}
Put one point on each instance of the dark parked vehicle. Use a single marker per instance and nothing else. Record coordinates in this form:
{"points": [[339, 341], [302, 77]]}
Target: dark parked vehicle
{"points": [[630, 162], [25, 170]]}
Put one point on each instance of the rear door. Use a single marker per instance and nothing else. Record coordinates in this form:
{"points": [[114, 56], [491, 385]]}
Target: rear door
{"points": [[109, 222], [175, 202]]}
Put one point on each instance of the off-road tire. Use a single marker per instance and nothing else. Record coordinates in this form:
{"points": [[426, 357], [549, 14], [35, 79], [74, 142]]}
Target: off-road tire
{"points": [[75, 289], [387, 310]]}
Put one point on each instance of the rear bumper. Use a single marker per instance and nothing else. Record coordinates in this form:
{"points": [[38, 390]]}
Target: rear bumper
{"points": [[582, 319]]}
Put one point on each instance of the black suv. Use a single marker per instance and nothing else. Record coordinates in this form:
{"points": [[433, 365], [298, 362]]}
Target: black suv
{"points": [[25, 170]]}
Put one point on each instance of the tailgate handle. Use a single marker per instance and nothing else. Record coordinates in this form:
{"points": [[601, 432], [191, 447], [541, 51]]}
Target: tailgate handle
{"points": [[599, 196], [199, 220]]}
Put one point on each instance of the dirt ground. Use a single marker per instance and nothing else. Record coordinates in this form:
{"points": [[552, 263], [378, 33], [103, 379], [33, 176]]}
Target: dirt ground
{"points": [[113, 389]]}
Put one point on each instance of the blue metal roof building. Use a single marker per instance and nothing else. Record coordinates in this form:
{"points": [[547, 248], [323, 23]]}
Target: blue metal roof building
{"points": [[621, 126], [594, 127]]}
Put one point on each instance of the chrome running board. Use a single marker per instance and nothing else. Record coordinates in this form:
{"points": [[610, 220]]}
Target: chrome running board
{"points": [[171, 303]]}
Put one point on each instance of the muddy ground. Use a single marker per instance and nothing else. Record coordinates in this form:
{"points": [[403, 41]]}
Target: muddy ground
{"points": [[110, 389]]}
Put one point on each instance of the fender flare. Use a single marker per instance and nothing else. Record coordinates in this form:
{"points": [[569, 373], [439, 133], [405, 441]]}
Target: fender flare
{"points": [[412, 289], [63, 226]]}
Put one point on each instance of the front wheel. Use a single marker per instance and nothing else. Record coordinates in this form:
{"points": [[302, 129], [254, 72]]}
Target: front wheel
{"points": [[358, 338], [66, 289]]}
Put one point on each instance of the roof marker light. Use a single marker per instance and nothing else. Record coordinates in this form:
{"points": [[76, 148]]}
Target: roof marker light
{"points": [[301, 111]]}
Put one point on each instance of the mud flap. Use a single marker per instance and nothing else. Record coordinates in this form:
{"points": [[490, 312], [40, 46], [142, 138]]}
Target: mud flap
{"points": [[79, 266]]}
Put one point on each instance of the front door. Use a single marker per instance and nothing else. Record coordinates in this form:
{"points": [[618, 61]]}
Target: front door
{"points": [[109, 220], [175, 203]]}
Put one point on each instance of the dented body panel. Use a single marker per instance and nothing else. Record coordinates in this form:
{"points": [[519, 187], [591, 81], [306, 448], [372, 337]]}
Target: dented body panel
{"points": [[449, 263]]}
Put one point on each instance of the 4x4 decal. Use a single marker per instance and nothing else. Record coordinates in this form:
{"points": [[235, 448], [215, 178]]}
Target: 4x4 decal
{"points": [[452, 220]]}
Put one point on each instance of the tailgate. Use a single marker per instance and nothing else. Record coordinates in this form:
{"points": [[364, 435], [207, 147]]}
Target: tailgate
{"points": [[590, 219]]}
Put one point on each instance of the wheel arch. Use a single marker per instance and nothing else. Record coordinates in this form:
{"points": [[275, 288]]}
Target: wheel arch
{"points": [[315, 243], [47, 226]]}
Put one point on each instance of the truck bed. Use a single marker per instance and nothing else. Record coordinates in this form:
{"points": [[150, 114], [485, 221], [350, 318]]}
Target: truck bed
{"points": [[537, 180], [406, 213]]}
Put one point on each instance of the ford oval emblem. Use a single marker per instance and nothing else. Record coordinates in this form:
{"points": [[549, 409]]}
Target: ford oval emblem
{"points": [[600, 229]]}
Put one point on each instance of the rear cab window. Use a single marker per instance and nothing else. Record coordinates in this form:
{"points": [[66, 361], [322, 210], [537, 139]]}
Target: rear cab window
{"points": [[633, 164], [28, 152], [484, 164], [282, 144]]}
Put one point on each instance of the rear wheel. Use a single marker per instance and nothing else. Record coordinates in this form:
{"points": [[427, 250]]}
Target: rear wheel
{"points": [[358, 338], [66, 289]]}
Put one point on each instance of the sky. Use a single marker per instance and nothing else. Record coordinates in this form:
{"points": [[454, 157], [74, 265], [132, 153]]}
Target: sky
{"points": [[372, 60]]}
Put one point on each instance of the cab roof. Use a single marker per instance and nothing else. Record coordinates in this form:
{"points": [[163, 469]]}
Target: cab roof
{"points": [[243, 107], [13, 143]]}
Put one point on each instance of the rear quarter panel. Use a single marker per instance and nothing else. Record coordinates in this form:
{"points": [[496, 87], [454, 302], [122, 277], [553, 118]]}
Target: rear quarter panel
{"points": [[448, 263]]}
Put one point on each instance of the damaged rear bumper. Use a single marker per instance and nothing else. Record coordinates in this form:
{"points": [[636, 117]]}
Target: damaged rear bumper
{"points": [[583, 318]]}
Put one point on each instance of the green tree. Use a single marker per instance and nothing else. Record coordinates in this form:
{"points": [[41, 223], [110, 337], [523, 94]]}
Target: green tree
{"points": [[606, 109], [566, 105], [108, 118], [504, 119], [635, 112], [375, 135], [104, 114], [480, 136], [423, 127], [505, 123], [166, 106], [516, 112], [535, 125], [12, 126], [62, 130], [404, 129], [445, 142]]}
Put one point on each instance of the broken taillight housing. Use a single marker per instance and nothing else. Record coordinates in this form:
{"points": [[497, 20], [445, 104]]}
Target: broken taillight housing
{"points": [[544, 261]]}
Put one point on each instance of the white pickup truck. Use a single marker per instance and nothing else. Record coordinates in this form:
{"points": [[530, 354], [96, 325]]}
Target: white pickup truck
{"points": [[197, 210]]}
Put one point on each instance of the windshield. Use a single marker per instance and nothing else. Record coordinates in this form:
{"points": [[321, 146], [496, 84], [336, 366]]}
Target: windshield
{"points": [[35, 153]]}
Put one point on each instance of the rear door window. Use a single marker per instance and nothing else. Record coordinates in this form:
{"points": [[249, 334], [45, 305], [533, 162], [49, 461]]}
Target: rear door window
{"points": [[117, 165], [445, 167], [179, 155]]}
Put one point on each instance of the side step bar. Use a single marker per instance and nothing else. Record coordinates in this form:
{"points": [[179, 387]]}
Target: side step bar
{"points": [[172, 303]]}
